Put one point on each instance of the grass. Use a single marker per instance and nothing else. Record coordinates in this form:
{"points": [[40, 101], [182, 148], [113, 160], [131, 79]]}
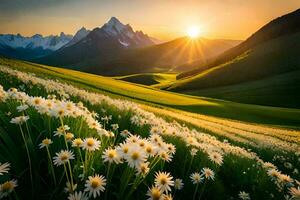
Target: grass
{"points": [[143, 94], [273, 91], [152, 79]]}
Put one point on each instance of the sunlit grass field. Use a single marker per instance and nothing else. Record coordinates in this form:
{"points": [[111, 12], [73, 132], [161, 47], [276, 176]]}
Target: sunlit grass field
{"points": [[151, 79], [67, 134]]}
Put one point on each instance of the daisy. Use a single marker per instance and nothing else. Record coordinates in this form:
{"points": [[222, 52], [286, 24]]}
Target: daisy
{"points": [[45, 143], [61, 130], [4, 168], [90, 144], [78, 196], [22, 108], [196, 178], [154, 193], [123, 149], [150, 149], [295, 192], [167, 197], [111, 155], [163, 181], [69, 136], [125, 133], [194, 151], [216, 157], [135, 156], [143, 169], [171, 148], [273, 173], [63, 157], [94, 185], [19, 120], [7, 187], [114, 126], [208, 173], [244, 196], [165, 156], [77, 142], [178, 184], [285, 179]]}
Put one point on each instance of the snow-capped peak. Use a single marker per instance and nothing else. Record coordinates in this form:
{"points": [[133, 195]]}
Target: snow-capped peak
{"points": [[81, 33], [113, 26], [36, 41]]}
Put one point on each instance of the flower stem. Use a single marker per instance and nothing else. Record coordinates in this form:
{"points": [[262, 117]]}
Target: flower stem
{"points": [[51, 165], [195, 192], [28, 155]]}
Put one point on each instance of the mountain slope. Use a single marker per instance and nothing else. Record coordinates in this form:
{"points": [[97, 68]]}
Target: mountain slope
{"points": [[254, 59], [163, 57], [80, 34]]}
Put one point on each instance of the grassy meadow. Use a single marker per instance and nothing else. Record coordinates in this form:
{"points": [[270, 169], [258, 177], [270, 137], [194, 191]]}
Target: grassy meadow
{"points": [[71, 135]]}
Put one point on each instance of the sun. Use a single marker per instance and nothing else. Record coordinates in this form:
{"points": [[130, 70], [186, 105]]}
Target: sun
{"points": [[193, 32]]}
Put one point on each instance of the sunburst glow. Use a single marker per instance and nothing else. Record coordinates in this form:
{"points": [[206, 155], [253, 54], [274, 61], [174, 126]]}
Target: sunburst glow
{"points": [[193, 32]]}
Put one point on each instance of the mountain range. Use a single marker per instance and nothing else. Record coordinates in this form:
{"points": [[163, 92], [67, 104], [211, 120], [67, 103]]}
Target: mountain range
{"points": [[116, 49], [18, 46]]}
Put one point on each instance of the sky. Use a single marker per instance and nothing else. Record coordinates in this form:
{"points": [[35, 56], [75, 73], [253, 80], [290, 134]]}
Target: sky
{"points": [[163, 19]]}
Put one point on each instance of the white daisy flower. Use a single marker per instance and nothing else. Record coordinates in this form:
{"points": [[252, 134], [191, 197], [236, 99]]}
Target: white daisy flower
{"points": [[154, 193], [135, 156], [63, 157], [22, 108], [19, 120], [7, 187], [78, 196], [90, 144], [196, 178], [178, 184], [111, 155], [45, 143], [163, 181], [208, 173], [244, 196], [94, 185], [77, 142]]}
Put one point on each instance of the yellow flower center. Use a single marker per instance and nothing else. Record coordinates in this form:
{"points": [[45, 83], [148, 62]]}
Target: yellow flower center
{"points": [[7, 186], [90, 143], [95, 183], [37, 101], [125, 149], [163, 180], [135, 155], [111, 154], [61, 112], [64, 157], [155, 193]]}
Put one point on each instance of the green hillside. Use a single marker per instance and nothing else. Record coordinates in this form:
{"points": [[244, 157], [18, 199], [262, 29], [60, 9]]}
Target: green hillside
{"points": [[148, 78], [280, 90], [269, 59], [151, 96]]}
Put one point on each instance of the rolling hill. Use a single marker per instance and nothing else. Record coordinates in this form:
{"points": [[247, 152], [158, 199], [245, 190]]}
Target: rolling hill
{"points": [[163, 99], [271, 51]]}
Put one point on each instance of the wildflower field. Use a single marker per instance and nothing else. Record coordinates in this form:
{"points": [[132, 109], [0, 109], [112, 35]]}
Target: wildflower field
{"points": [[60, 139]]}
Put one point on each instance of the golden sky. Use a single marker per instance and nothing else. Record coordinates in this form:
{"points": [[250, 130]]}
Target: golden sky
{"points": [[164, 19]]}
